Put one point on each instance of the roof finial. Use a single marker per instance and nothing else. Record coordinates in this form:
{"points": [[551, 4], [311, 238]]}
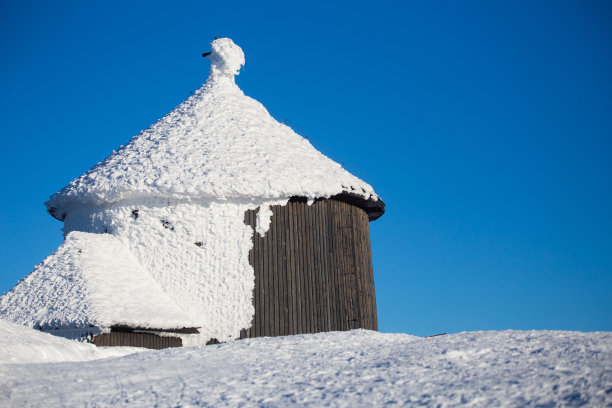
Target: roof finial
{"points": [[226, 58]]}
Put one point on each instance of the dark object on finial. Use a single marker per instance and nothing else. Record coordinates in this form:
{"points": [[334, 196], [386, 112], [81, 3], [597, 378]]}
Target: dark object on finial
{"points": [[206, 54]]}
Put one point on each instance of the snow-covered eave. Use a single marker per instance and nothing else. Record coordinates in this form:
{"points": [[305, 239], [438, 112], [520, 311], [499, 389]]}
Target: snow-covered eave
{"points": [[87, 324], [370, 203], [373, 206], [79, 331], [56, 325], [184, 326]]}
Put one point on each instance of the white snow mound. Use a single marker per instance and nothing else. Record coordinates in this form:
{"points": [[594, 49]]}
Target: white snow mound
{"points": [[20, 344]]}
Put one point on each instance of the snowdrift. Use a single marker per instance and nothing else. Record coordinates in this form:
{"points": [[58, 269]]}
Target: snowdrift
{"points": [[340, 369], [20, 344]]}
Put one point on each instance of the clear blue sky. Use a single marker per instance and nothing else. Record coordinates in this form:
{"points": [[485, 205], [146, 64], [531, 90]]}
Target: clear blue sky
{"points": [[486, 127]]}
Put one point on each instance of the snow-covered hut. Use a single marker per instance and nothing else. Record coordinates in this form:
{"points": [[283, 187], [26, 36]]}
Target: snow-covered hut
{"points": [[215, 223]]}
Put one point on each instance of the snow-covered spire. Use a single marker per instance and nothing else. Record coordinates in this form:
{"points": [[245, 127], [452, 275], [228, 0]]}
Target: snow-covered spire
{"points": [[226, 58], [218, 145]]}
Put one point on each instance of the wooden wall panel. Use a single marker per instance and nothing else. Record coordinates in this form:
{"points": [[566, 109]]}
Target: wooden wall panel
{"points": [[313, 270], [131, 339]]}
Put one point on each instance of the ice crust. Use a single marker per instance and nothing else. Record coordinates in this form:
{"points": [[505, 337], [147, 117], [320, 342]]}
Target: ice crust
{"points": [[264, 216], [155, 233]]}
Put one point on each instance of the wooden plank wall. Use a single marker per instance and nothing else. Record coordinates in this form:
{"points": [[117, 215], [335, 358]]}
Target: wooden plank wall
{"points": [[147, 340], [313, 270]]}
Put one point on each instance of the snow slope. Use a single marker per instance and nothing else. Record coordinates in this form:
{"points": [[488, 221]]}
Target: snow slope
{"points": [[22, 345], [339, 369]]}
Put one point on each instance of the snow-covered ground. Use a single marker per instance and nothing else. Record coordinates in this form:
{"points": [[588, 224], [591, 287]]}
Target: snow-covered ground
{"points": [[357, 368]]}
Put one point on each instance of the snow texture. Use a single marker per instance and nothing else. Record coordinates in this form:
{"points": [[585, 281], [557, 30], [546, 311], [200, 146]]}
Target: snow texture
{"points": [[226, 58], [91, 280], [22, 345], [264, 216], [218, 145], [339, 369], [197, 252]]}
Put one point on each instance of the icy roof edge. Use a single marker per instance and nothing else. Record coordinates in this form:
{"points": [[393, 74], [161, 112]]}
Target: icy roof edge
{"points": [[372, 205]]}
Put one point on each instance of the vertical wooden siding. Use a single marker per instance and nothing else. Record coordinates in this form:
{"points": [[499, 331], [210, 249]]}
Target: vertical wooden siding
{"points": [[313, 270], [147, 340]]}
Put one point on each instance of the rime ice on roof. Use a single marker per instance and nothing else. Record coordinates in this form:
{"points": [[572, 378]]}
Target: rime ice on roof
{"points": [[226, 58], [91, 280], [218, 145], [173, 200]]}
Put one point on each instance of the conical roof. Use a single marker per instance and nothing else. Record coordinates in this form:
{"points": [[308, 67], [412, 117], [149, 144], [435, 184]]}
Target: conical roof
{"points": [[217, 145]]}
